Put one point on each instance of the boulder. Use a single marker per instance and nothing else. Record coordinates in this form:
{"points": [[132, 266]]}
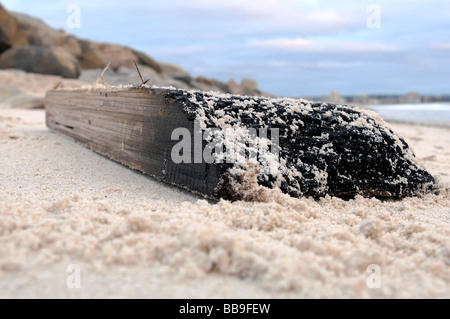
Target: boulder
{"points": [[175, 72], [247, 87], [204, 84], [10, 33], [115, 54], [233, 87], [11, 98], [250, 87], [41, 59], [27, 90], [72, 45], [25, 19], [89, 59], [144, 59], [205, 81], [39, 33], [223, 87]]}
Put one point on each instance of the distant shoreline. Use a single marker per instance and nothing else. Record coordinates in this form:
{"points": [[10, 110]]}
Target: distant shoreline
{"points": [[427, 114], [437, 125]]}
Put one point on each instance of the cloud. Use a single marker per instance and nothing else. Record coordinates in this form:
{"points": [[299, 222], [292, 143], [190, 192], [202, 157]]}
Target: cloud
{"points": [[443, 46], [290, 47], [327, 65], [311, 46]]}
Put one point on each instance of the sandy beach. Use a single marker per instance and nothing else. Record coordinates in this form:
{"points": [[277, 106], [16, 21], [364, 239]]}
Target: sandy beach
{"points": [[131, 236]]}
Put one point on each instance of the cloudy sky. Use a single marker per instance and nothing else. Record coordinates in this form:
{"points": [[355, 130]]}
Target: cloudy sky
{"points": [[291, 47]]}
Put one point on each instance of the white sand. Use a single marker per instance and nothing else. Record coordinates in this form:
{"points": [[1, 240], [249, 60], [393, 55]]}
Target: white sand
{"points": [[62, 204]]}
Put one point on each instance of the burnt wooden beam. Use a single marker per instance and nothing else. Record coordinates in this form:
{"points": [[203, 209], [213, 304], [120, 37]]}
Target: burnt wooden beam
{"points": [[323, 148]]}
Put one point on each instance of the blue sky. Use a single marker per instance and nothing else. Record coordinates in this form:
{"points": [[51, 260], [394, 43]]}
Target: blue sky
{"points": [[292, 48]]}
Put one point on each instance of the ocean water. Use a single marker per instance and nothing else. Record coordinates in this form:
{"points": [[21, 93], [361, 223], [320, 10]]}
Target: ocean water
{"points": [[437, 114]]}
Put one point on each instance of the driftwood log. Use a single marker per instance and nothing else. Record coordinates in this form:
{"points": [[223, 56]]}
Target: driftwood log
{"points": [[321, 148]]}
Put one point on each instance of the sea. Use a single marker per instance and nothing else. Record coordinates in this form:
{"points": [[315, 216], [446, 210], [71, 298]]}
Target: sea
{"points": [[435, 114]]}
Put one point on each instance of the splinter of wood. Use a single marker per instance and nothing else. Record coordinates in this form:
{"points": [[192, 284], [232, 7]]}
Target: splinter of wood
{"points": [[101, 75], [140, 75]]}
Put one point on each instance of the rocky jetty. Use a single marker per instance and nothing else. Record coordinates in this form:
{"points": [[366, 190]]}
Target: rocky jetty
{"points": [[29, 44]]}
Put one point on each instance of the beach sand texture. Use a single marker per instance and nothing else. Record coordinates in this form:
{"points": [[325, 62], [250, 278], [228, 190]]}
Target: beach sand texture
{"points": [[131, 236]]}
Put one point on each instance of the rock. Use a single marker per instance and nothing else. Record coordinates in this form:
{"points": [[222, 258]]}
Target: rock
{"points": [[175, 72], [27, 90], [91, 55], [250, 87], [222, 87], [72, 45], [144, 59], [26, 19], [205, 84], [89, 59], [41, 59], [233, 87], [10, 33], [205, 81], [247, 87], [115, 54], [178, 84], [39, 33], [11, 98]]}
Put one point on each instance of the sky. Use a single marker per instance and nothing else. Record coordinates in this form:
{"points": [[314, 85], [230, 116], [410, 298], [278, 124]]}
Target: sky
{"points": [[291, 48]]}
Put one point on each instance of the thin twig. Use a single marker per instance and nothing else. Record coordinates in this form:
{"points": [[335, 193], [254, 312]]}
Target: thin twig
{"points": [[101, 75], [140, 75], [104, 82], [57, 85]]}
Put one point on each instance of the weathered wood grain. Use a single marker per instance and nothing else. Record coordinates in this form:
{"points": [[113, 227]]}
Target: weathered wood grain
{"points": [[132, 127]]}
